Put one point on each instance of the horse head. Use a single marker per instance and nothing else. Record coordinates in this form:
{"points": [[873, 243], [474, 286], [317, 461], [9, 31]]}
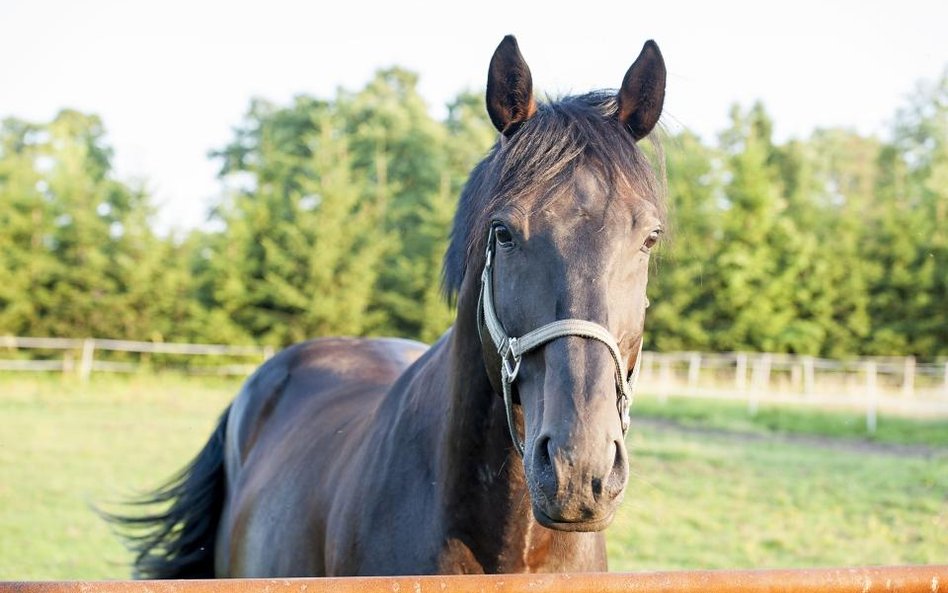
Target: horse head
{"points": [[559, 220]]}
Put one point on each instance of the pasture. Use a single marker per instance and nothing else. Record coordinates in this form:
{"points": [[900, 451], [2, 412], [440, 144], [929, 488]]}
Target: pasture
{"points": [[696, 499]]}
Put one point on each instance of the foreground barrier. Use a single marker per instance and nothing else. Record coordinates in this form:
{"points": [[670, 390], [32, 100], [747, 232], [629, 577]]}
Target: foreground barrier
{"points": [[902, 579]]}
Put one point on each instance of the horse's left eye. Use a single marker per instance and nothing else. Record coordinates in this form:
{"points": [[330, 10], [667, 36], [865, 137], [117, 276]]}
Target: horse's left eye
{"points": [[503, 234], [651, 240]]}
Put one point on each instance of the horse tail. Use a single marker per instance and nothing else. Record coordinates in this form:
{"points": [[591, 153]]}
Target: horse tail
{"points": [[179, 541]]}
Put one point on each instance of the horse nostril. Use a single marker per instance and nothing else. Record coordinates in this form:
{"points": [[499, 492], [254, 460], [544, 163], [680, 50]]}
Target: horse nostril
{"points": [[543, 456], [545, 473], [597, 487], [619, 473]]}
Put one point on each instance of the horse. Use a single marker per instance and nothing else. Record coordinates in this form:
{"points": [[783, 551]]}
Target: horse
{"points": [[498, 449]]}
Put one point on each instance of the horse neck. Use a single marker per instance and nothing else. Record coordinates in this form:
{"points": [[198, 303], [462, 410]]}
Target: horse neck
{"points": [[487, 504]]}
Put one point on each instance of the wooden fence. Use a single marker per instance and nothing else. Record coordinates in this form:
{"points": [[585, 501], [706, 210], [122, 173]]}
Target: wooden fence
{"points": [[903, 579], [78, 356], [873, 385], [897, 385]]}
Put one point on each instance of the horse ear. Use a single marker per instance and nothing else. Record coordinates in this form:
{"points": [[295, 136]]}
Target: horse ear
{"points": [[643, 92], [509, 88]]}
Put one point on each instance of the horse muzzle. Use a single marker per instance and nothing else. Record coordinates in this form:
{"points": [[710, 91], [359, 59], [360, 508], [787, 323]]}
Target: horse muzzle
{"points": [[574, 491]]}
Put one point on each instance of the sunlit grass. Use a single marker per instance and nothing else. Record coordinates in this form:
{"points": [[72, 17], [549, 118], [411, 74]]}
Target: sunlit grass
{"points": [[65, 447], [694, 501], [697, 501]]}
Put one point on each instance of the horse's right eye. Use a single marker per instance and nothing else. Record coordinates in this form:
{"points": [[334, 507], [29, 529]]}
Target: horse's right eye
{"points": [[503, 234], [651, 240]]}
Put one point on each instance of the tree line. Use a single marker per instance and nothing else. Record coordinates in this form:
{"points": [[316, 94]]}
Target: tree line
{"points": [[335, 215]]}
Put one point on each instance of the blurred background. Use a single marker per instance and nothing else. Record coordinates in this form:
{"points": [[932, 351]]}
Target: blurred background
{"points": [[187, 187]]}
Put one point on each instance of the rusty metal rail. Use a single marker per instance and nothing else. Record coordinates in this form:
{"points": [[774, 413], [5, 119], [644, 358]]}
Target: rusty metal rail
{"points": [[903, 579]]}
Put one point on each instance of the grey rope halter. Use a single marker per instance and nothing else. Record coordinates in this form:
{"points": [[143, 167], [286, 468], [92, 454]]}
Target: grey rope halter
{"points": [[512, 349]]}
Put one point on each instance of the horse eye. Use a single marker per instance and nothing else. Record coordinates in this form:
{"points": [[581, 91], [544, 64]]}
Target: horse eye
{"points": [[504, 237], [652, 239]]}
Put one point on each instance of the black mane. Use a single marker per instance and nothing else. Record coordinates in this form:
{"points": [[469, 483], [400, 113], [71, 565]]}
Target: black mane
{"points": [[545, 152]]}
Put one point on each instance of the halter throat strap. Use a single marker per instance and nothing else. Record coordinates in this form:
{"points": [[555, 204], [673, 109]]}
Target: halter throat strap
{"points": [[511, 349]]}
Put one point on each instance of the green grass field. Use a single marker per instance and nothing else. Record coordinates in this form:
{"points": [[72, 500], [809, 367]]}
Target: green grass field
{"points": [[743, 495]]}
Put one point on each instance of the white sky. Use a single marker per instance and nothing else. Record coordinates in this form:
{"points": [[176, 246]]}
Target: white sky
{"points": [[171, 78]]}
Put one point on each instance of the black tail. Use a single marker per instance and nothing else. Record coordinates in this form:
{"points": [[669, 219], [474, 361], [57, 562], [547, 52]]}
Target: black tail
{"points": [[178, 542]]}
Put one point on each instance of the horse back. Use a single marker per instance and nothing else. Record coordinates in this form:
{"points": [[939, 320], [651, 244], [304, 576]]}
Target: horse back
{"points": [[307, 406], [354, 371]]}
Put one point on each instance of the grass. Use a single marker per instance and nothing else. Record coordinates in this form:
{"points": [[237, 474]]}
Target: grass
{"points": [[694, 500], [65, 447], [697, 501]]}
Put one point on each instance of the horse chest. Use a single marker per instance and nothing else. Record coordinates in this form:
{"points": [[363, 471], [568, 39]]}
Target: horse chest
{"points": [[538, 550]]}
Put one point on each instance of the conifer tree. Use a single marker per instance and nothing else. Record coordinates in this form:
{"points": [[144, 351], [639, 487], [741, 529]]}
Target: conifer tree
{"points": [[400, 150], [299, 254], [27, 265], [680, 299], [755, 263]]}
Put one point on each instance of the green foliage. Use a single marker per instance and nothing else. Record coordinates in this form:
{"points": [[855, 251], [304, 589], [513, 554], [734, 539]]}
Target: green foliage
{"points": [[909, 245], [337, 211], [299, 254], [78, 254], [400, 149], [681, 299], [828, 246]]}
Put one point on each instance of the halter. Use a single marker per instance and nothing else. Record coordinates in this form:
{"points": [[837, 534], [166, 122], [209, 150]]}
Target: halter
{"points": [[511, 349]]}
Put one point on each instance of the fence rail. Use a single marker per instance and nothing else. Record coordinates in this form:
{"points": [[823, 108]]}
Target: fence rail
{"points": [[79, 355], [899, 385], [903, 579]]}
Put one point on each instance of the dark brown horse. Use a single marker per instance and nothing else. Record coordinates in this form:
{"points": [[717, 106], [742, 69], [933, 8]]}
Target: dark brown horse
{"points": [[501, 447]]}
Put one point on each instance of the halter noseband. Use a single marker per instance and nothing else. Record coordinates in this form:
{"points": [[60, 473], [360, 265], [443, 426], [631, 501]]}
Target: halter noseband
{"points": [[511, 349]]}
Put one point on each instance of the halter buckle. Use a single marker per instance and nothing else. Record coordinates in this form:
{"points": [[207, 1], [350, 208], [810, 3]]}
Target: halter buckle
{"points": [[507, 356]]}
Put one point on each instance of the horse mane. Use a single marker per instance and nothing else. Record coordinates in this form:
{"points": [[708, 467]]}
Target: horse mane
{"points": [[545, 153]]}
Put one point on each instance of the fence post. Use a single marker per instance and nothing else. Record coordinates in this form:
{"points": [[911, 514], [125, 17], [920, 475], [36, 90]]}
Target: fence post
{"points": [[908, 377], [872, 396], [760, 382], [694, 370], [88, 356], [808, 378], [740, 372], [796, 376], [665, 380]]}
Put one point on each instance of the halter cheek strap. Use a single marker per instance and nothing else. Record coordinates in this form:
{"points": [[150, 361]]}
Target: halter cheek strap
{"points": [[510, 350]]}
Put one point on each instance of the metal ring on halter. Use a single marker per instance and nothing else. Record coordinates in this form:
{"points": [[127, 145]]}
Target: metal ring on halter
{"points": [[507, 356]]}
